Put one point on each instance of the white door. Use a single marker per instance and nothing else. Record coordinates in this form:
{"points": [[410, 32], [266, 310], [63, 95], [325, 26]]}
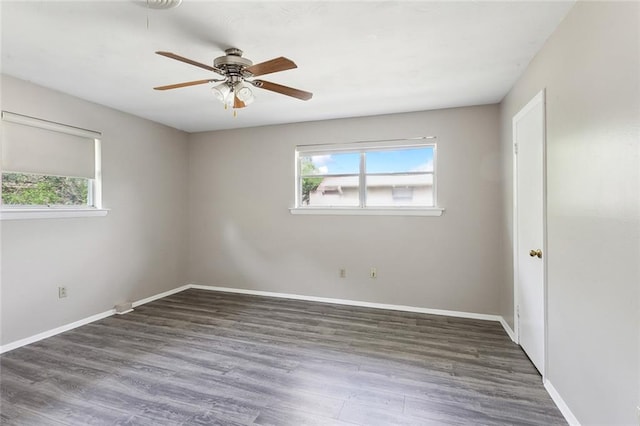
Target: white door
{"points": [[529, 253]]}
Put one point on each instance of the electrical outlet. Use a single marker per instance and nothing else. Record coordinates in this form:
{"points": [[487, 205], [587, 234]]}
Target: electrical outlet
{"points": [[62, 292], [373, 273], [343, 272]]}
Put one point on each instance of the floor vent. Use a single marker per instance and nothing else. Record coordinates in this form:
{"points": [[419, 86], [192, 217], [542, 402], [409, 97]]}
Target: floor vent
{"points": [[124, 308]]}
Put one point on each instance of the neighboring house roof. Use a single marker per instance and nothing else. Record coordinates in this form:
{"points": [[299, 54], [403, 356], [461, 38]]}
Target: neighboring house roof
{"points": [[334, 182]]}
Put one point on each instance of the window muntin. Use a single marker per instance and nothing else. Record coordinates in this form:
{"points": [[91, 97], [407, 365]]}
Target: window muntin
{"points": [[391, 175]]}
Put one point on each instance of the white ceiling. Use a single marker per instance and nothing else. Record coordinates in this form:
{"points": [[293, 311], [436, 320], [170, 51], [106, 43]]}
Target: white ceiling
{"points": [[358, 58]]}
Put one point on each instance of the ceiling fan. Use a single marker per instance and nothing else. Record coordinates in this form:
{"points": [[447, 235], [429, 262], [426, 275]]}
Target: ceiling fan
{"points": [[238, 73]]}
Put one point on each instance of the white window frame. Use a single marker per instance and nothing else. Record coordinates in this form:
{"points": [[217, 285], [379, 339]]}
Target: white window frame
{"points": [[362, 147], [94, 207]]}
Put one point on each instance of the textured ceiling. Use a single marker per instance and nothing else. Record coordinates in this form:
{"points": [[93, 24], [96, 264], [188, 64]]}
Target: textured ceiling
{"points": [[358, 58]]}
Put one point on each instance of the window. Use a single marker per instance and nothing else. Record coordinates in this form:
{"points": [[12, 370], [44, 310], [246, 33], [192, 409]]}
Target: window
{"points": [[364, 177], [48, 167]]}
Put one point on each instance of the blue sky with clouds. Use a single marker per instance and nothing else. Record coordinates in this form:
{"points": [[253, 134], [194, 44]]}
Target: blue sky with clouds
{"points": [[388, 161]]}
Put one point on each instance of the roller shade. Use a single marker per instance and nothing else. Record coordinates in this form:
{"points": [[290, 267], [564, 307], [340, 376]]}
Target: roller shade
{"points": [[31, 145]]}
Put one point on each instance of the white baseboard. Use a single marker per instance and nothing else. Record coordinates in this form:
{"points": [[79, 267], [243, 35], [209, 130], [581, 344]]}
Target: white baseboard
{"points": [[555, 396], [405, 308], [562, 406], [509, 330], [459, 314], [160, 295], [50, 333]]}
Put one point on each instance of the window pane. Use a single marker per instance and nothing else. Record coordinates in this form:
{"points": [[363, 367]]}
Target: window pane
{"points": [[41, 190], [331, 191], [400, 160], [394, 176], [330, 164], [393, 190]]}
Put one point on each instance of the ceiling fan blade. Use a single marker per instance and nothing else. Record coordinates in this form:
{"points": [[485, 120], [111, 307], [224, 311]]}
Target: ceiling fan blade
{"points": [[274, 65], [188, 83], [188, 61], [285, 90], [237, 103]]}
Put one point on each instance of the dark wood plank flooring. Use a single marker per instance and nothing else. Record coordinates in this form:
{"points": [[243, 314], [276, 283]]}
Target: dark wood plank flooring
{"points": [[208, 358]]}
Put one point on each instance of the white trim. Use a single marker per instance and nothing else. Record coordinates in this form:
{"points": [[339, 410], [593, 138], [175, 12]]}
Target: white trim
{"points": [[362, 180], [298, 196], [405, 308], [362, 147], [97, 179], [369, 211], [434, 177], [160, 295], [562, 406], [49, 333], [365, 145], [545, 263], [514, 180], [510, 332], [539, 98], [50, 213], [12, 117]]}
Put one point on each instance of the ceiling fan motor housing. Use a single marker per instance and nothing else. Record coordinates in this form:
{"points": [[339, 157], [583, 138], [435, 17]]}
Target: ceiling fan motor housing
{"points": [[233, 64]]}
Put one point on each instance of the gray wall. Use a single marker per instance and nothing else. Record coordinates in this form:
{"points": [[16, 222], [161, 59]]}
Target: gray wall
{"points": [[138, 250], [242, 234], [590, 69]]}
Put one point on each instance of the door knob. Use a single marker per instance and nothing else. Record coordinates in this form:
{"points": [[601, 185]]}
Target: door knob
{"points": [[536, 253]]}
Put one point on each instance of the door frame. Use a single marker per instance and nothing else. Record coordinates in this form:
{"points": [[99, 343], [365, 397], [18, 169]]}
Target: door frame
{"points": [[540, 97]]}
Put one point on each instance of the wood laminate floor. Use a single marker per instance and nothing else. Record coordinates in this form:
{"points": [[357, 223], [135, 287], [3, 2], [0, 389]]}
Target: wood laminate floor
{"points": [[208, 358]]}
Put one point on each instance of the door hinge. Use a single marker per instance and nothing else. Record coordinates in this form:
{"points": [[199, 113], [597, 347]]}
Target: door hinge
{"points": [[518, 311], [515, 147]]}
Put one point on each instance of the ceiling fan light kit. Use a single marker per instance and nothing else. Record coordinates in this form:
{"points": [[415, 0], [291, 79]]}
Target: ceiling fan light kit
{"points": [[237, 76], [221, 92], [244, 93]]}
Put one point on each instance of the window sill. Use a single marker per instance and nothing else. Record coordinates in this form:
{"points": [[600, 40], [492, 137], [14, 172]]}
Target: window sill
{"points": [[370, 211], [50, 213]]}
